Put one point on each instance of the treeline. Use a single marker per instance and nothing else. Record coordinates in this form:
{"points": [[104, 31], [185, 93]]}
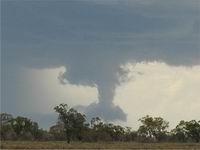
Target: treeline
{"points": [[72, 126]]}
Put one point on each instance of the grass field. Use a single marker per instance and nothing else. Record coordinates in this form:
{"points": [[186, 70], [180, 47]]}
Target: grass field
{"points": [[99, 145]]}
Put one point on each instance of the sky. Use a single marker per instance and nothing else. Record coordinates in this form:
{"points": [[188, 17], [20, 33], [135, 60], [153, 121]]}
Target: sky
{"points": [[116, 59]]}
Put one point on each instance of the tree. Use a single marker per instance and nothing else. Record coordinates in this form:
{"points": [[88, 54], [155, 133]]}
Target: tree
{"points": [[25, 128], [193, 130], [106, 131], [73, 121], [58, 131], [96, 122], [5, 127], [115, 131], [180, 133], [153, 128], [5, 118], [186, 130], [130, 135]]}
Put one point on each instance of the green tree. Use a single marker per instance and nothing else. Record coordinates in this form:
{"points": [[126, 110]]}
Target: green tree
{"points": [[96, 123], [58, 131], [5, 118], [73, 121], [107, 131], [130, 135], [180, 133], [25, 128], [153, 128], [115, 131], [187, 130], [193, 130], [5, 126]]}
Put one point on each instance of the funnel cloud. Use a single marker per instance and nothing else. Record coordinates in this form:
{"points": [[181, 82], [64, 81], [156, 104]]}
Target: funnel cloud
{"points": [[92, 39]]}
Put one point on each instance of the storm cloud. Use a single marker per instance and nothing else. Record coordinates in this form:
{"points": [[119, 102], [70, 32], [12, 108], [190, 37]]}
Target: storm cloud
{"points": [[92, 39]]}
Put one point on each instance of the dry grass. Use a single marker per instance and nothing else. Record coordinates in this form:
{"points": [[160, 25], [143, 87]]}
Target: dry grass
{"points": [[99, 145]]}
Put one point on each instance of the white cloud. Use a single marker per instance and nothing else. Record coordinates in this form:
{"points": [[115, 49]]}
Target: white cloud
{"points": [[45, 91], [161, 90]]}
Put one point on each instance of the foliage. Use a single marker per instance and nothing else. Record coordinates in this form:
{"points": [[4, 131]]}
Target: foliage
{"points": [[5, 127], [188, 130], [25, 128], [193, 130], [72, 126], [18, 128], [153, 128], [179, 133], [58, 131], [73, 121]]}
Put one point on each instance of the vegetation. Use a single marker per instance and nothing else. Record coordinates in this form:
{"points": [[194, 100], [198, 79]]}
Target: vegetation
{"points": [[72, 120], [187, 130], [72, 126], [153, 128]]}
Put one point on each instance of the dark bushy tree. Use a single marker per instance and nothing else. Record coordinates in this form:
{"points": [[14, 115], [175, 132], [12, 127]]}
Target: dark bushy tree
{"points": [[193, 130], [179, 133], [153, 128], [58, 131], [25, 128], [187, 130], [7, 133], [73, 121]]}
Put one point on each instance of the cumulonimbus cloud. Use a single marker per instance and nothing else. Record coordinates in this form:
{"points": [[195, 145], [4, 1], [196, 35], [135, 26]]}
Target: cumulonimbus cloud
{"points": [[92, 41]]}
